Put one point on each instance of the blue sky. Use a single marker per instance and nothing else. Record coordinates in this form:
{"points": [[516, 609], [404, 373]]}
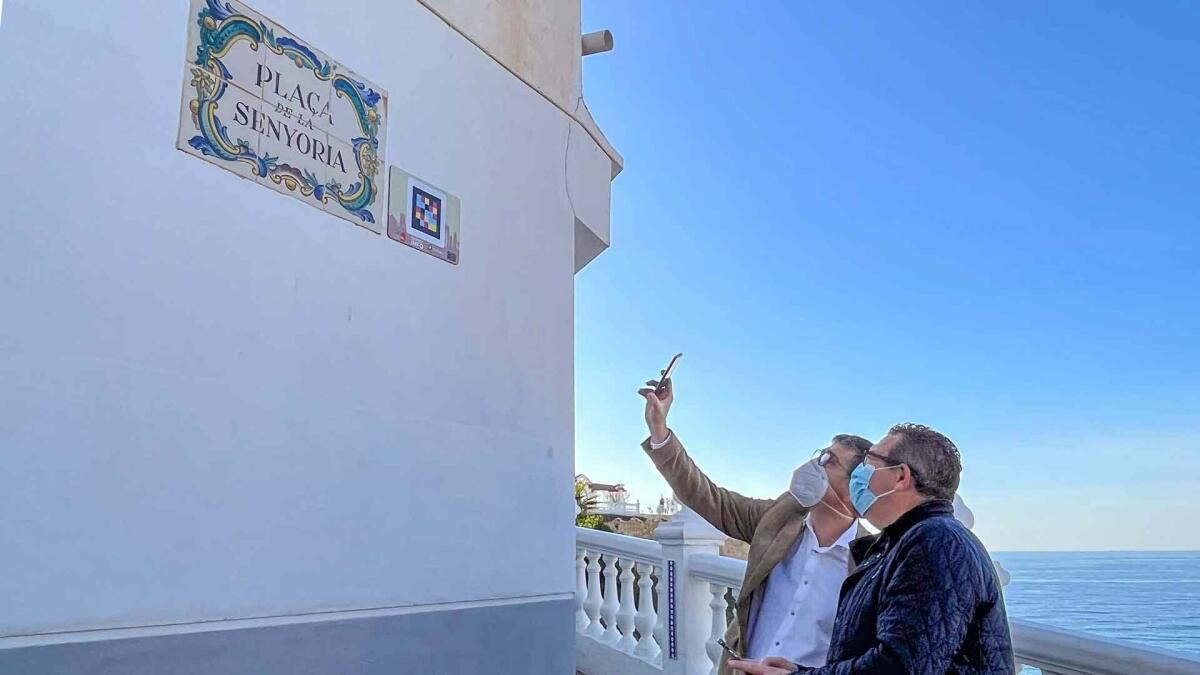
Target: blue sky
{"points": [[985, 218]]}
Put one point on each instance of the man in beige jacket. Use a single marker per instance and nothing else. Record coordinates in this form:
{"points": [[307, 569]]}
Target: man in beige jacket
{"points": [[799, 556]]}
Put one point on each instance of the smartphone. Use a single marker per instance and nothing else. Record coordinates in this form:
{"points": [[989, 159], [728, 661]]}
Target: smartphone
{"points": [[662, 383], [736, 654]]}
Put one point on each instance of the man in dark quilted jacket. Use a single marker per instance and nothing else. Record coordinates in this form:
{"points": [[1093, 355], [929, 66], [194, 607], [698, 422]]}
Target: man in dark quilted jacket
{"points": [[925, 599]]}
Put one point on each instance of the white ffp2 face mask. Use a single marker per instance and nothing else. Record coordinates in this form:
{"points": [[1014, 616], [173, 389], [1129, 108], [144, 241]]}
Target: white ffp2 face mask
{"points": [[809, 483]]}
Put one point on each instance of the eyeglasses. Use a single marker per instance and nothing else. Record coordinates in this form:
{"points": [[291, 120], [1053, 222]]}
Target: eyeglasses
{"points": [[886, 460], [895, 462], [825, 456]]}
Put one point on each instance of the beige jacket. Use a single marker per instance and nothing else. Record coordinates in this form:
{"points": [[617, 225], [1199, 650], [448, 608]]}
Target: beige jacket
{"points": [[771, 526]]}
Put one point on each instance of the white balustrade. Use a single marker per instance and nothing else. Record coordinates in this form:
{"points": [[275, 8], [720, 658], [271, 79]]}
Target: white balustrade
{"points": [[702, 577], [628, 631], [627, 611], [646, 621], [592, 604]]}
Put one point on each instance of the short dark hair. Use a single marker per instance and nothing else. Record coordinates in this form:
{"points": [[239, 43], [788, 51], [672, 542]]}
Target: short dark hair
{"points": [[932, 458], [858, 444]]}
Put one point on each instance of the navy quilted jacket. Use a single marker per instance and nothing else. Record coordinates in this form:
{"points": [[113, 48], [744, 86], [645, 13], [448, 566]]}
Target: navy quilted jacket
{"points": [[924, 600]]}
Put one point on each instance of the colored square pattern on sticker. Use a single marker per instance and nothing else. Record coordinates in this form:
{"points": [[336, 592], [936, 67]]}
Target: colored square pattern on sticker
{"points": [[426, 213]]}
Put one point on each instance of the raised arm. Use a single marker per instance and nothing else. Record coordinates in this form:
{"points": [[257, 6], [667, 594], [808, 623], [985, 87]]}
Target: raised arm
{"points": [[734, 514]]}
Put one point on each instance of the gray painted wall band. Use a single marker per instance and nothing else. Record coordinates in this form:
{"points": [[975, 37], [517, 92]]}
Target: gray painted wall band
{"points": [[534, 637]]}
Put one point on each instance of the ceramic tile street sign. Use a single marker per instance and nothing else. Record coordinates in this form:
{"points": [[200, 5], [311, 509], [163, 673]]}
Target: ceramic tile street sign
{"points": [[423, 216], [262, 103]]}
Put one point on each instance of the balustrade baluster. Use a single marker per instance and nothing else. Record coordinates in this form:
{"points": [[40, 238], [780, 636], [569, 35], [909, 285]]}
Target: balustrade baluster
{"points": [[592, 605], [627, 610], [717, 605], [581, 617], [610, 606], [647, 620]]}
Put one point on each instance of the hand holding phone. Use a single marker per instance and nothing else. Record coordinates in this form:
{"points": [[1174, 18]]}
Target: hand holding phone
{"points": [[659, 395]]}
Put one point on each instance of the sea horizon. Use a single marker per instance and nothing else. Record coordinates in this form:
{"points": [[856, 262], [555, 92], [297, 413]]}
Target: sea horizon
{"points": [[1149, 598]]}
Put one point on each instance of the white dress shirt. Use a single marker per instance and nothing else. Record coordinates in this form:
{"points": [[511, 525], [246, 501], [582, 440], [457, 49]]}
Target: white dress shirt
{"points": [[793, 616]]}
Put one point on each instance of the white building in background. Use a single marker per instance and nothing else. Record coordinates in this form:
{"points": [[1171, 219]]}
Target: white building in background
{"points": [[245, 428], [611, 499]]}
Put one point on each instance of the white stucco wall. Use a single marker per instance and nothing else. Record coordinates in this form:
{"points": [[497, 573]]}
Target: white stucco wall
{"points": [[218, 402], [528, 36]]}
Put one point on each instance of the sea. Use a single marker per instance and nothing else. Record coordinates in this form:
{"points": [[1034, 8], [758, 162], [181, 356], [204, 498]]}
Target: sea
{"points": [[1146, 597]]}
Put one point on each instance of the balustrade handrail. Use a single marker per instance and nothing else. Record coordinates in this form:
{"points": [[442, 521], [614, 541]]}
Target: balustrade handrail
{"points": [[1058, 650], [624, 546], [1055, 651], [719, 569]]}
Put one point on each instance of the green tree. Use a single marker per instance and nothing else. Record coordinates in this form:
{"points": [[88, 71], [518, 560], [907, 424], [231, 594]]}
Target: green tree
{"points": [[587, 504]]}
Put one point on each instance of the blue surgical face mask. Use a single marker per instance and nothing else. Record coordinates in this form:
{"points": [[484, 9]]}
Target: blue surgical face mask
{"points": [[860, 488]]}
